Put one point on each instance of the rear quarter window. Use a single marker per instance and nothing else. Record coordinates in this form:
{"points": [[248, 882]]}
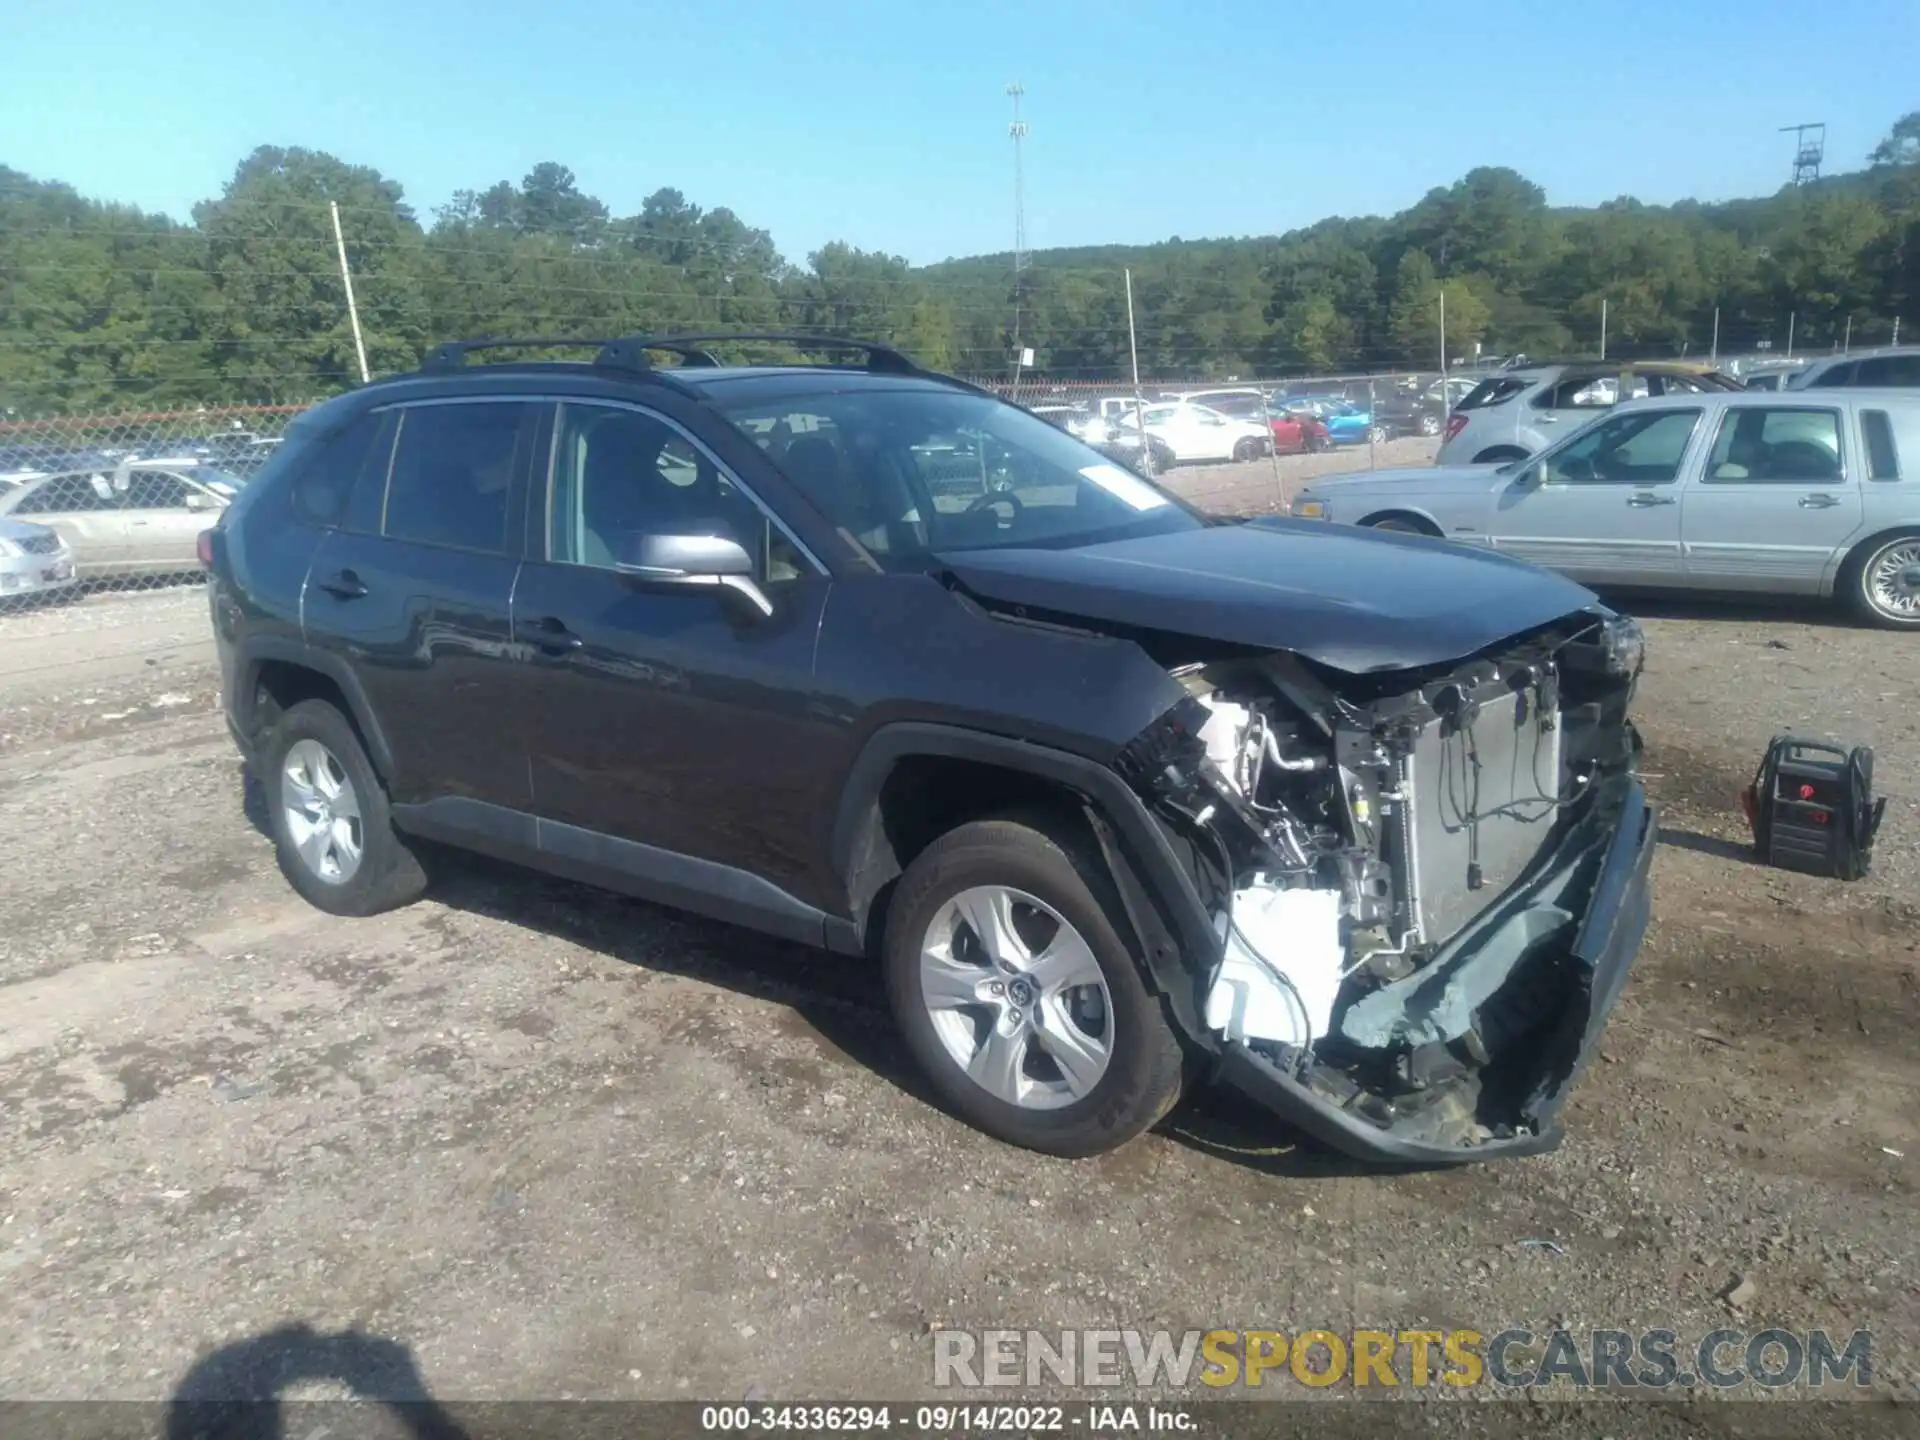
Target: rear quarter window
{"points": [[1902, 429], [341, 476], [1491, 392]]}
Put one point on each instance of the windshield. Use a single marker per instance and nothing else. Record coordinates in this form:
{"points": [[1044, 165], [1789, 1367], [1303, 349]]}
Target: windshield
{"points": [[911, 473]]}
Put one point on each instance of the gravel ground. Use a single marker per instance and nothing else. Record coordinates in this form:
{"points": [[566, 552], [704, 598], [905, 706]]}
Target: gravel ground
{"points": [[551, 1143]]}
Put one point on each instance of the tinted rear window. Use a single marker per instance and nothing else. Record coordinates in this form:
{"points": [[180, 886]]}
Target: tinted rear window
{"points": [[1835, 378], [1492, 392]]}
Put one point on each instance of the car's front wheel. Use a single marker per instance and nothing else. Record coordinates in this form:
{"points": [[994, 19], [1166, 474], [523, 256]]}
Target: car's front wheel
{"points": [[332, 831], [1884, 583], [1017, 996]]}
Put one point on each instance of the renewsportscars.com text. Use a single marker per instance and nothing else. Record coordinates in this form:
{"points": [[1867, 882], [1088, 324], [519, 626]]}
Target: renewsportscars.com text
{"points": [[1517, 1358]]}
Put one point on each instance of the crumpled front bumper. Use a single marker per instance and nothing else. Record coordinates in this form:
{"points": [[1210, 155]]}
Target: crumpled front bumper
{"points": [[1605, 942]]}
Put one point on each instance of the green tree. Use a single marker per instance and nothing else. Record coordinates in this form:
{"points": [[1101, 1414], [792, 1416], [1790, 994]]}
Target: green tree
{"points": [[1902, 145]]}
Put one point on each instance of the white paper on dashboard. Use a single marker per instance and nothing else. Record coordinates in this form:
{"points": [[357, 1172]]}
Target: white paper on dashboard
{"points": [[1128, 489]]}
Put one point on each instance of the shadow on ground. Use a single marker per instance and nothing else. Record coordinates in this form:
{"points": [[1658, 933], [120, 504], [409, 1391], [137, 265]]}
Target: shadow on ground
{"points": [[237, 1392]]}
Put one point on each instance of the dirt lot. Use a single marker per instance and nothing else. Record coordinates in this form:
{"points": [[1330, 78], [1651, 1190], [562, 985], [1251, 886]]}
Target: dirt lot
{"points": [[555, 1143]]}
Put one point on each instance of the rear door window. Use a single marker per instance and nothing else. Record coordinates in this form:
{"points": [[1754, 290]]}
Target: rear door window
{"points": [[1492, 392], [1776, 446], [155, 490], [453, 472], [1835, 377], [1581, 392]]}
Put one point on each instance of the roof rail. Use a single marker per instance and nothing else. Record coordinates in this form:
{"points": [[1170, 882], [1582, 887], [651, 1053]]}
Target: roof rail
{"points": [[882, 359], [629, 352], [453, 354]]}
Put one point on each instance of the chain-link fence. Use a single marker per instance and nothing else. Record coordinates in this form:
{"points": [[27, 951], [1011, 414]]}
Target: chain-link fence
{"points": [[118, 503]]}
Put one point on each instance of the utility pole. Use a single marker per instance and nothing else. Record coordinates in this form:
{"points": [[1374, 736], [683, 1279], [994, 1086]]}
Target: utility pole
{"points": [[1443, 338], [1139, 405], [1018, 130], [1847, 343], [1896, 329], [346, 279], [1603, 327], [1792, 316], [1714, 354]]}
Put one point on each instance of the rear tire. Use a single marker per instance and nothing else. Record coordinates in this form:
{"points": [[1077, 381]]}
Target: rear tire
{"points": [[332, 828], [1881, 583], [1056, 893], [1245, 450]]}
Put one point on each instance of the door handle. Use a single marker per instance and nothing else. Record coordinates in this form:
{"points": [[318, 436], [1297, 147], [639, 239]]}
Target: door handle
{"points": [[552, 637], [1818, 502], [1641, 500], [344, 586], [1548, 419]]}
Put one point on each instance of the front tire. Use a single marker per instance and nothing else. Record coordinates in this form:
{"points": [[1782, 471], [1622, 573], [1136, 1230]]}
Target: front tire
{"points": [[1883, 583], [332, 829], [1017, 997]]}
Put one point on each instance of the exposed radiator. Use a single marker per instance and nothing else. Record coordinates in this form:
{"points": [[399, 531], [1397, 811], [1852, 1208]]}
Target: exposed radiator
{"points": [[1483, 791]]}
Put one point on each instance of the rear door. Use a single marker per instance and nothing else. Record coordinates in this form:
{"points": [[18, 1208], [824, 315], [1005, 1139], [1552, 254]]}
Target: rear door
{"points": [[1773, 501], [1603, 507], [1568, 404], [164, 517], [413, 590]]}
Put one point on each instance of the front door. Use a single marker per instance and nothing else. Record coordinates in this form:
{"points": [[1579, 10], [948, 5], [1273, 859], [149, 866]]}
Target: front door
{"points": [[1773, 503], [667, 722], [1604, 506], [414, 590]]}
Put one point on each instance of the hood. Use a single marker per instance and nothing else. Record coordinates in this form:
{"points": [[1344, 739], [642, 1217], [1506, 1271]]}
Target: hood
{"points": [[1483, 476], [1356, 601]]}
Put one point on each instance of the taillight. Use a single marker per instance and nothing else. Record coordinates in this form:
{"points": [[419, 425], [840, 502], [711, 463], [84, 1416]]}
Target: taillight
{"points": [[203, 546], [1455, 424]]}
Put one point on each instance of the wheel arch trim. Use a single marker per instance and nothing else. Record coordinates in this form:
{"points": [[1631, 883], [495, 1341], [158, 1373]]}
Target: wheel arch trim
{"points": [[255, 652], [1174, 937]]}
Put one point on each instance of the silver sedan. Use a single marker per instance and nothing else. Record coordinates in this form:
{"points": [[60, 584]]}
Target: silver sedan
{"points": [[1736, 492], [140, 518]]}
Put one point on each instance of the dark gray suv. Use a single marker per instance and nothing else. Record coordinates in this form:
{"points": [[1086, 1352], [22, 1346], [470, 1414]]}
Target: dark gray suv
{"points": [[1116, 797]]}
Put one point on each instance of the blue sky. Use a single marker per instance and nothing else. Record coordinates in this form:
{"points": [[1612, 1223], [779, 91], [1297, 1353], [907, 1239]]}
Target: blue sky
{"points": [[885, 123]]}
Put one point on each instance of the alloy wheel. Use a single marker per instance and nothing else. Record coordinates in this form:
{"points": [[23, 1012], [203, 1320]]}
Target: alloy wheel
{"points": [[1016, 997], [1892, 581], [322, 812]]}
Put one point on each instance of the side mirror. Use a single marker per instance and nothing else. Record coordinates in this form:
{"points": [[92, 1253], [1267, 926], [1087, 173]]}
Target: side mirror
{"points": [[715, 561], [197, 501]]}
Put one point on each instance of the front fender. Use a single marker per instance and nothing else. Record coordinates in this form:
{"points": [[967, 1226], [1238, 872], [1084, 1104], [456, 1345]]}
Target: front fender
{"points": [[1177, 944]]}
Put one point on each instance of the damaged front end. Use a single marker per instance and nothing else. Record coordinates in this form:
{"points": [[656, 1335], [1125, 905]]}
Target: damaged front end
{"points": [[1426, 887]]}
